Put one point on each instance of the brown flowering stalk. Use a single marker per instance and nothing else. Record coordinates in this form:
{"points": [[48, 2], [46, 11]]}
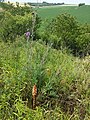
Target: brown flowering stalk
{"points": [[34, 95]]}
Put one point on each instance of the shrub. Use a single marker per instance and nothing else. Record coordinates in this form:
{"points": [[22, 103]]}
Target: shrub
{"points": [[65, 28], [65, 31], [16, 20], [13, 26], [83, 44]]}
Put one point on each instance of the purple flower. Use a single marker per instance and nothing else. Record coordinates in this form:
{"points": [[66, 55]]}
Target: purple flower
{"points": [[27, 34]]}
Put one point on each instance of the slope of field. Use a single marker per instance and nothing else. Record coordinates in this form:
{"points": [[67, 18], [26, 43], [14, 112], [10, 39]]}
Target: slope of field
{"points": [[81, 13], [63, 82]]}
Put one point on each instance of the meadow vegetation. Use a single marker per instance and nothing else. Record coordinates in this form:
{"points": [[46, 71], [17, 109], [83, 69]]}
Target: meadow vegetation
{"points": [[57, 60]]}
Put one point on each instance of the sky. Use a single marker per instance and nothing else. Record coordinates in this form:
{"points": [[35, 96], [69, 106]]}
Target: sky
{"points": [[55, 1]]}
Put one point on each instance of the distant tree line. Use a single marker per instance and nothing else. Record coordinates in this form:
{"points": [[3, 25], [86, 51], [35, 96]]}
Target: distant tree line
{"points": [[44, 4]]}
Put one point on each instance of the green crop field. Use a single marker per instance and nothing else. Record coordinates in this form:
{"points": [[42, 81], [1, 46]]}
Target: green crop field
{"points": [[81, 13]]}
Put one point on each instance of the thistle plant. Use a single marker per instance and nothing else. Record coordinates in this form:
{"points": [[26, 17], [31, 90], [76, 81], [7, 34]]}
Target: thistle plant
{"points": [[27, 34]]}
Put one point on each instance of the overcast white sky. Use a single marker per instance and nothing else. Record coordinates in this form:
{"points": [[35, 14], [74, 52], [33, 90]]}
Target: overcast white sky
{"points": [[55, 1]]}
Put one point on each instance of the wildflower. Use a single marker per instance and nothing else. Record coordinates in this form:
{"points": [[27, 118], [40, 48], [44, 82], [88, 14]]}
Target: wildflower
{"points": [[48, 71], [27, 34], [34, 94], [34, 90]]}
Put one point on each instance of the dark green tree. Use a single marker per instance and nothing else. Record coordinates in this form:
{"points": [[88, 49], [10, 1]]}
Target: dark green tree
{"points": [[66, 28]]}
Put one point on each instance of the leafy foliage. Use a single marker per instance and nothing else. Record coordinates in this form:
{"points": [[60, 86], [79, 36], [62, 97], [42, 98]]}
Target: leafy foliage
{"points": [[64, 31], [83, 43], [16, 20], [14, 25]]}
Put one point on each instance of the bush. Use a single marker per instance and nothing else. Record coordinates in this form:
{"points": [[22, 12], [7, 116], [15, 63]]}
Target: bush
{"points": [[65, 28], [65, 31], [83, 44], [16, 21], [13, 26]]}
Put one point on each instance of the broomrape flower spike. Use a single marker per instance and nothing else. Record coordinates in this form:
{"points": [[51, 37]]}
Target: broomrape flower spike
{"points": [[34, 95]]}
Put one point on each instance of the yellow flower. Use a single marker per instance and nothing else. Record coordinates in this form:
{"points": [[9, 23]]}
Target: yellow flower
{"points": [[48, 71]]}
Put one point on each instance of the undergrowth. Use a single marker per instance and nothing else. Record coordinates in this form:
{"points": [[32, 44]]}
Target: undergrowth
{"points": [[63, 82]]}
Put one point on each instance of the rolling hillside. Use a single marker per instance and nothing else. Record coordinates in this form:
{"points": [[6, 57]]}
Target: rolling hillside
{"points": [[81, 13]]}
